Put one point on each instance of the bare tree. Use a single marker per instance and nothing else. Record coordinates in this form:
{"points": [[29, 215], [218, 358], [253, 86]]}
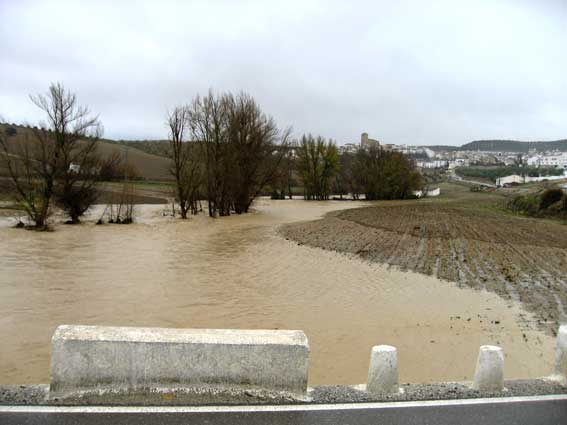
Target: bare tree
{"points": [[111, 168], [256, 149], [289, 167], [283, 179], [185, 165], [49, 164], [120, 206], [242, 148], [344, 179], [19, 159], [208, 118], [76, 133]]}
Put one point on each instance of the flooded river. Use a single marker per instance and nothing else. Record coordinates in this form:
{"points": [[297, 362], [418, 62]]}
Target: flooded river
{"points": [[237, 272]]}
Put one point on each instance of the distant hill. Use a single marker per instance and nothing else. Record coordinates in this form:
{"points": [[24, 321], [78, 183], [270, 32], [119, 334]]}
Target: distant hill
{"points": [[504, 146], [149, 166], [514, 146], [445, 148], [153, 147]]}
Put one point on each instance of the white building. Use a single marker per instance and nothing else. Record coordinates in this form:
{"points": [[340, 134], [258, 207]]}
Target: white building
{"points": [[534, 161], [549, 159], [513, 179], [458, 162], [438, 163], [427, 193], [557, 161]]}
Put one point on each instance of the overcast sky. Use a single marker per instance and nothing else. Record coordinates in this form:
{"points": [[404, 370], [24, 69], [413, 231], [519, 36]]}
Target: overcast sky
{"points": [[415, 71]]}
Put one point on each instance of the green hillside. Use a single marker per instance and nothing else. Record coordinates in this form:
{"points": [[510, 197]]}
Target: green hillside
{"points": [[148, 166], [153, 147]]}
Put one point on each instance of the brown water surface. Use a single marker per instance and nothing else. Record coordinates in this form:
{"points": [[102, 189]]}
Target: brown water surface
{"points": [[237, 272]]}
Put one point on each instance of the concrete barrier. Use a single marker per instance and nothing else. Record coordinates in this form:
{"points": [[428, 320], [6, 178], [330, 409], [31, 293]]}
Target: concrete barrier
{"points": [[489, 373], [87, 358], [561, 352], [383, 370]]}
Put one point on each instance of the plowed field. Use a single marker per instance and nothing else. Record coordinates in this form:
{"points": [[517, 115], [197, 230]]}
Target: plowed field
{"points": [[462, 241]]}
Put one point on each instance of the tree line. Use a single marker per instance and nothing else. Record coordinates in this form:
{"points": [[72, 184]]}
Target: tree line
{"points": [[224, 150], [235, 153], [321, 170]]}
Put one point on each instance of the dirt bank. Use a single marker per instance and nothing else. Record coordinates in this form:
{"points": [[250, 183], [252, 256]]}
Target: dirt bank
{"points": [[517, 258]]}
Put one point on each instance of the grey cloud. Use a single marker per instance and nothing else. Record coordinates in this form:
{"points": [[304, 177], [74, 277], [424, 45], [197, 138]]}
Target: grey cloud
{"points": [[411, 71]]}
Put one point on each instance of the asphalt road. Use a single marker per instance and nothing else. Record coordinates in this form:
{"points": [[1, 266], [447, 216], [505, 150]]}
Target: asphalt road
{"points": [[528, 410]]}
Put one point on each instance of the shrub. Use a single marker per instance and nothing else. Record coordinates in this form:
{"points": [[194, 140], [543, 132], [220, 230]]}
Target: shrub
{"points": [[383, 174], [550, 197], [495, 172], [563, 208], [525, 204]]}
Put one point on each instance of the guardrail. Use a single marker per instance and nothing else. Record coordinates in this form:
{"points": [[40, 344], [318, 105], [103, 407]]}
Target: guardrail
{"points": [[162, 370], [135, 362]]}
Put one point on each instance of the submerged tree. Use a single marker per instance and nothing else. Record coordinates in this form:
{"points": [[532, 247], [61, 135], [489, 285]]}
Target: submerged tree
{"points": [[207, 121], [344, 182], [256, 148], [284, 178], [185, 164], [318, 162], [59, 162], [120, 199], [241, 149]]}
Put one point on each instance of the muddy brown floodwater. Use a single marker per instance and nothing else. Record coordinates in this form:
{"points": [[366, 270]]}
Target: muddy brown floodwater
{"points": [[238, 272]]}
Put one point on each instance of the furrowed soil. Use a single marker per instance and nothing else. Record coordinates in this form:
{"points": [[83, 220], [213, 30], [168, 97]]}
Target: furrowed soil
{"points": [[463, 237]]}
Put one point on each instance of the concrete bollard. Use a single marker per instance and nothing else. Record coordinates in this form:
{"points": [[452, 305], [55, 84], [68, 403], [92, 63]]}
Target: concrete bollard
{"points": [[92, 358], [561, 352], [383, 370], [489, 373]]}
